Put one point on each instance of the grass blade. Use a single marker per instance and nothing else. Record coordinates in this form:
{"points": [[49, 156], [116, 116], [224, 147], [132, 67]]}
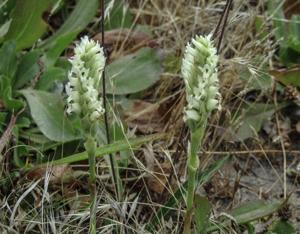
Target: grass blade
{"points": [[108, 149]]}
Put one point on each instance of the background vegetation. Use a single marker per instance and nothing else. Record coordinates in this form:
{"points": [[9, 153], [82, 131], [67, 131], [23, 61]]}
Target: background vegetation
{"points": [[249, 176]]}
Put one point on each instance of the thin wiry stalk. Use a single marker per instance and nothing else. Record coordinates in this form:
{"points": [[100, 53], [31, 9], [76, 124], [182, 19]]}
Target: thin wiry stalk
{"points": [[223, 19], [224, 24], [111, 159], [220, 20]]}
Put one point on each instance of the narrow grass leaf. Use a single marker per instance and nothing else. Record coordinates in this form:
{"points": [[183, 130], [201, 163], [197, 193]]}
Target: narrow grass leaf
{"points": [[109, 149], [250, 211], [80, 17]]}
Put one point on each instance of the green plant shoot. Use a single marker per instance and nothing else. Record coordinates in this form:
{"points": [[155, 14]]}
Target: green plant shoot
{"points": [[83, 99], [199, 71]]}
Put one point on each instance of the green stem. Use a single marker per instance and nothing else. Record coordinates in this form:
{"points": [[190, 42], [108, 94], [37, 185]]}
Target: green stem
{"points": [[192, 167], [90, 146]]}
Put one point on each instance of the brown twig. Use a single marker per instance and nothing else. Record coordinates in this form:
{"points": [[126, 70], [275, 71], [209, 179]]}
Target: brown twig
{"points": [[8, 131]]}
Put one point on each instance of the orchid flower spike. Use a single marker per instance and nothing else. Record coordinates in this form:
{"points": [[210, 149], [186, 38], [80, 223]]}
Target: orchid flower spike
{"points": [[199, 71], [84, 79]]}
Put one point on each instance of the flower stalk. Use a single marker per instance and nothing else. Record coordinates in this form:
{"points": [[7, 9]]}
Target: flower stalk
{"points": [[83, 100], [199, 71]]}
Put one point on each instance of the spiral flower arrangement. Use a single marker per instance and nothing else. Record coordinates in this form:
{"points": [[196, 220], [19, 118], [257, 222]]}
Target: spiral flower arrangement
{"points": [[200, 75], [84, 78]]}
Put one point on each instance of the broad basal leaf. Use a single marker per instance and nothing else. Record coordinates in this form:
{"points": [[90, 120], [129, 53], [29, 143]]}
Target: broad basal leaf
{"points": [[47, 110], [134, 72], [249, 120]]}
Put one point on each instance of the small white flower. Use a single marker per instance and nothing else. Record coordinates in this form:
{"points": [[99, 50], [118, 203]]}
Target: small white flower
{"points": [[84, 78], [199, 71]]}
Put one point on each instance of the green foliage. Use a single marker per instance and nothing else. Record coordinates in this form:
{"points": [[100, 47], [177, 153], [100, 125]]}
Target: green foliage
{"points": [[28, 68], [249, 212], [8, 68], [51, 76], [109, 149], [27, 25], [287, 34], [135, 72], [47, 110], [119, 16], [202, 212], [282, 227], [254, 210], [82, 14], [249, 119], [289, 77], [260, 81], [201, 178]]}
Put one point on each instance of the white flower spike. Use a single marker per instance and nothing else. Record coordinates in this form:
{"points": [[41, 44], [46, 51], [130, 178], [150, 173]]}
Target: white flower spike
{"points": [[199, 71], [84, 78]]}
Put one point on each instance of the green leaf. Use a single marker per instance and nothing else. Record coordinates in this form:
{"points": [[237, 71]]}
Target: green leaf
{"points": [[288, 37], [282, 227], [6, 7], [250, 228], [294, 43], [178, 196], [119, 17], [250, 211], [202, 212], [260, 81], [23, 122], [27, 69], [47, 111], [4, 29], [35, 137], [249, 120], [254, 210], [19, 151], [6, 94], [82, 14], [278, 19], [8, 56], [294, 34], [109, 149], [135, 72], [3, 116], [58, 47], [27, 25], [294, 25], [289, 76], [49, 77]]}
